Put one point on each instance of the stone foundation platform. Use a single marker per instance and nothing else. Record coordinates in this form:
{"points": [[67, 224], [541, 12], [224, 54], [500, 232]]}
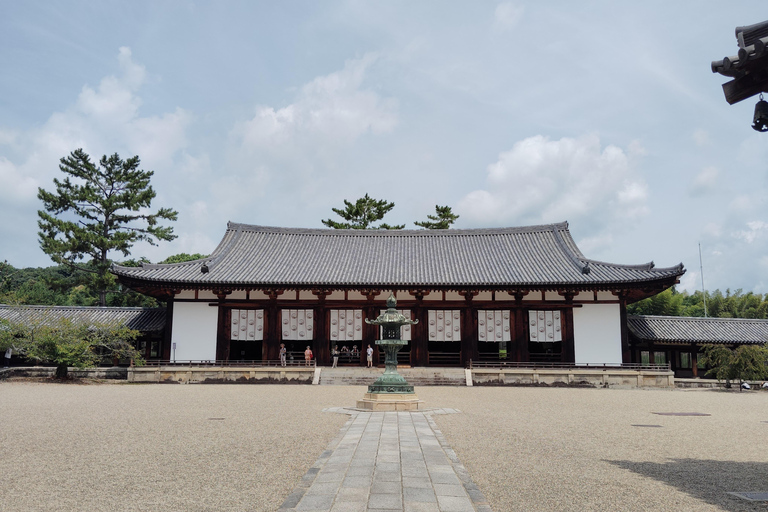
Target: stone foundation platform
{"points": [[387, 402]]}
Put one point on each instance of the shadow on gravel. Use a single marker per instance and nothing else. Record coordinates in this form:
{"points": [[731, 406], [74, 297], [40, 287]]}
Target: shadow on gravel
{"points": [[708, 480]]}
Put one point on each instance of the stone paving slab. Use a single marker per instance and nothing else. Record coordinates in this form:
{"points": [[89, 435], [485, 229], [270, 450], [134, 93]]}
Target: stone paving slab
{"points": [[387, 461]]}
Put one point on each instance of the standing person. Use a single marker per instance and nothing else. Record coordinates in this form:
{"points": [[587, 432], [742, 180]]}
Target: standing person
{"points": [[8, 354], [283, 352], [335, 354], [369, 356], [307, 356]]}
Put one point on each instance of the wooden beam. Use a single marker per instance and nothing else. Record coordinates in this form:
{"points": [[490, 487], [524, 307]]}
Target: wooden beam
{"points": [[745, 87]]}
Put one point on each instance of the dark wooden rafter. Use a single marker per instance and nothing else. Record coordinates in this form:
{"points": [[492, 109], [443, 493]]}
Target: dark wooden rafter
{"points": [[221, 293], [320, 293], [370, 293], [419, 293]]}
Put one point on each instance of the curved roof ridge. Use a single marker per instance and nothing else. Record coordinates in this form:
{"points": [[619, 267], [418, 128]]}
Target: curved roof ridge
{"points": [[396, 232], [572, 257], [650, 266]]}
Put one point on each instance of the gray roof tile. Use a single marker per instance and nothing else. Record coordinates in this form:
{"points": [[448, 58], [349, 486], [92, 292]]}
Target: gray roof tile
{"points": [[543, 255], [682, 329], [141, 319]]}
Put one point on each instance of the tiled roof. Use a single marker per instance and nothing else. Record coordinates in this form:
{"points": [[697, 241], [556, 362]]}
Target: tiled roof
{"points": [[684, 329], [141, 319], [265, 256]]}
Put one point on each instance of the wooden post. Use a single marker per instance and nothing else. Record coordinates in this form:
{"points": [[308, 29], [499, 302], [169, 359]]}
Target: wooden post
{"points": [[222, 341], [468, 329], [270, 348], [695, 360], [168, 331], [569, 352], [520, 339], [419, 332], [626, 356], [321, 339]]}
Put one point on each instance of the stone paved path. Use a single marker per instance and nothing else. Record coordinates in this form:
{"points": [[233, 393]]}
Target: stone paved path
{"points": [[384, 461]]}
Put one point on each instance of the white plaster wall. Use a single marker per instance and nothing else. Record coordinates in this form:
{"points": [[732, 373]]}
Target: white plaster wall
{"points": [[194, 331], [597, 334]]}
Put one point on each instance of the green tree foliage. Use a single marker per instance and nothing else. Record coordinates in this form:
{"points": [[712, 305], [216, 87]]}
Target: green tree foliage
{"points": [[66, 344], [96, 210], [362, 214], [182, 257], [62, 286], [746, 362], [442, 219], [670, 302]]}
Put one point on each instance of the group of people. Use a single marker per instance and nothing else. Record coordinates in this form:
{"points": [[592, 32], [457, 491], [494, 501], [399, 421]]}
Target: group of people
{"points": [[351, 355]]}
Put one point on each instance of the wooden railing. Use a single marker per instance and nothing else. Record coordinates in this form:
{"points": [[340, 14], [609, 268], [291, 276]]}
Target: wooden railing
{"points": [[445, 358], [586, 366]]}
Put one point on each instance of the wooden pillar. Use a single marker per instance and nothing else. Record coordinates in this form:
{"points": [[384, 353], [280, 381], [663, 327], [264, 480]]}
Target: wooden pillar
{"points": [[468, 329], [568, 352], [222, 340], [520, 335], [626, 356], [321, 341], [270, 347], [419, 332], [168, 330], [369, 336], [370, 332], [222, 333], [695, 360]]}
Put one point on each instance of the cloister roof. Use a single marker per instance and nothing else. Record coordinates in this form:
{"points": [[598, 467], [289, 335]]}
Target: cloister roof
{"points": [[682, 329]]}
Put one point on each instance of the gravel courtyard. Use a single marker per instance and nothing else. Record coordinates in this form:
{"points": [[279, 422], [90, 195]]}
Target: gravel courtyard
{"points": [[74, 447]]}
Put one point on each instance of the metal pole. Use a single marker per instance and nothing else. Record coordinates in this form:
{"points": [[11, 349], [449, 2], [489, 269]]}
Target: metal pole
{"points": [[703, 290]]}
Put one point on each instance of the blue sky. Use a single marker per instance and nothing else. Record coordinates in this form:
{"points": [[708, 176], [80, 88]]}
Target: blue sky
{"points": [[604, 114]]}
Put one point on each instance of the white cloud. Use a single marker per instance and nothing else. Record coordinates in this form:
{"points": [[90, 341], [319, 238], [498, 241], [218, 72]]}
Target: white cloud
{"points": [[331, 109], [16, 188], [540, 181], [704, 182], [507, 15], [701, 138], [754, 230]]}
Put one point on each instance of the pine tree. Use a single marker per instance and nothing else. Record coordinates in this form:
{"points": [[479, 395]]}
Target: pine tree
{"points": [[442, 220], [362, 214], [96, 210]]}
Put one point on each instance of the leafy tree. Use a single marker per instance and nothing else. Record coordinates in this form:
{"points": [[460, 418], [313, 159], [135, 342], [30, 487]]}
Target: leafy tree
{"points": [[96, 210], [746, 362], [65, 343], [182, 257], [442, 219], [362, 214], [666, 303]]}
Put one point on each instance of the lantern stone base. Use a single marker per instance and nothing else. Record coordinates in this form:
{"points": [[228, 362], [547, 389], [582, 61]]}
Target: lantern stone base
{"points": [[385, 402]]}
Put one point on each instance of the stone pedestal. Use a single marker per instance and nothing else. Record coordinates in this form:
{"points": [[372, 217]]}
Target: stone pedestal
{"points": [[385, 402]]}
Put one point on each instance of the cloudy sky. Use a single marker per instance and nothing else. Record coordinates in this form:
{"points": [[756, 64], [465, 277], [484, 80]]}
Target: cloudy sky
{"points": [[601, 113]]}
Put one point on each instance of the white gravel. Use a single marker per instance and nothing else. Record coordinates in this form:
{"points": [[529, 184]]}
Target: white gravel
{"points": [[70, 447], [559, 449]]}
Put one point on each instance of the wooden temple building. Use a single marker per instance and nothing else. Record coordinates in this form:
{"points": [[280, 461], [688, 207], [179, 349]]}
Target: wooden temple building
{"points": [[519, 294]]}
